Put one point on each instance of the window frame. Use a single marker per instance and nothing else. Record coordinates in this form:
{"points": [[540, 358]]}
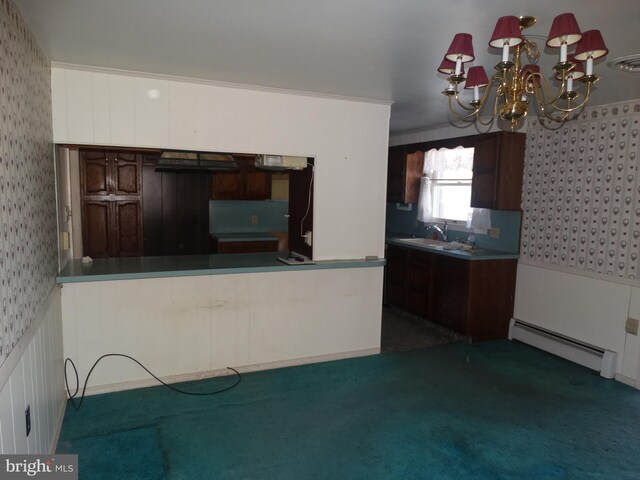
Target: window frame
{"points": [[466, 142]]}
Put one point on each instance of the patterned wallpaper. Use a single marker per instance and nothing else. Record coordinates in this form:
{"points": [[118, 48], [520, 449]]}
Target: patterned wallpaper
{"points": [[581, 196], [28, 244]]}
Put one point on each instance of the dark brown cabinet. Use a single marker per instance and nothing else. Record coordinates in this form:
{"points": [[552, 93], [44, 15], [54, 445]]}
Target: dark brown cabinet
{"points": [[254, 246], [247, 183], [111, 187], [498, 164], [471, 297], [176, 211], [404, 170], [396, 276]]}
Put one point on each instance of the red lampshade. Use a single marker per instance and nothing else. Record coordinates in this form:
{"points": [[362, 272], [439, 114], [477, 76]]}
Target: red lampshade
{"points": [[448, 67], [531, 68], [461, 46], [564, 29], [507, 30], [476, 77], [591, 45]]}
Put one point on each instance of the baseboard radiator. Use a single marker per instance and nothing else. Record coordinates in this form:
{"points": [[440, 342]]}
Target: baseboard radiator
{"points": [[595, 358]]}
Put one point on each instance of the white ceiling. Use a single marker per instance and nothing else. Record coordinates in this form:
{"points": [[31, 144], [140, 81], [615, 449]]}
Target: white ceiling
{"points": [[377, 49]]}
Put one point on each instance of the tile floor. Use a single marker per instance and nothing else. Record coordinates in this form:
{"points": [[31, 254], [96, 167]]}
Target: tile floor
{"points": [[402, 331]]}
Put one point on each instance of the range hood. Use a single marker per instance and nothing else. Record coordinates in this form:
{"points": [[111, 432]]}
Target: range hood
{"points": [[281, 162], [175, 161]]}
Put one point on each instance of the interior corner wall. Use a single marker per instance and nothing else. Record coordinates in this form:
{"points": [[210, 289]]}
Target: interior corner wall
{"points": [[579, 271], [348, 138], [30, 326]]}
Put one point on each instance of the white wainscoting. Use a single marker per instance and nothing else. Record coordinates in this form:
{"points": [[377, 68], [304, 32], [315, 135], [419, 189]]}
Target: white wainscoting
{"points": [[588, 308], [197, 326], [33, 375]]}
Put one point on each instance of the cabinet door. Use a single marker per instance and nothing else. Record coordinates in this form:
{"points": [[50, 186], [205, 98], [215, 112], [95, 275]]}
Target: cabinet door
{"points": [[498, 164], [450, 291], [226, 185], [419, 283], [395, 175], [126, 174], [403, 175], [257, 184], [485, 164], [96, 229], [127, 218], [94, 173], [395, 276]]}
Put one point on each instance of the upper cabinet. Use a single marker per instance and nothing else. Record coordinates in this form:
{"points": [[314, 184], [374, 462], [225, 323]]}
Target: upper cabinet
{"points": [[111, 187], [498, 164], [404, 170], [110, 173], [246, 183]]}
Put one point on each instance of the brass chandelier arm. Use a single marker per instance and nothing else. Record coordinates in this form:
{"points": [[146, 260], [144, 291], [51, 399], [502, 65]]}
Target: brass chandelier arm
{"points": [[462, 115], [496, 80], [569, 109], [493, 115], [542, 92]]}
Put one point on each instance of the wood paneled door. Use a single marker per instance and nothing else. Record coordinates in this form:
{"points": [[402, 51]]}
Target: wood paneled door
{"points": [[111, 186]]}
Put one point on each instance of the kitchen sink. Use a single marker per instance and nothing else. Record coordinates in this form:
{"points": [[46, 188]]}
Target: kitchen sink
{"points": [[442, 245], [426, 242]]}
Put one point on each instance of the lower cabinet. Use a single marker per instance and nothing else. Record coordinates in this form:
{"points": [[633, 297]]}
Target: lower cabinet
{"points": [[471, 297], [112, 228], [251, 246]]}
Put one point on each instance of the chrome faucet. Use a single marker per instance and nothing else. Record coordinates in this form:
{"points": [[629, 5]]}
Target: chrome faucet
{"points": [[442, 231]]}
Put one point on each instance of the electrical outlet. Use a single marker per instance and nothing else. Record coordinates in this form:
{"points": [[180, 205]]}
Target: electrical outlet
{"points": [[27, 419], [494, 232], [308, 238], [254, 219], [631, 326]]}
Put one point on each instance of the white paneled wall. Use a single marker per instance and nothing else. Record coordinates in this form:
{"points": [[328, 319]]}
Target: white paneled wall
{"points": [[348, 138], [32, 375], [186, 326], [589, 309]]}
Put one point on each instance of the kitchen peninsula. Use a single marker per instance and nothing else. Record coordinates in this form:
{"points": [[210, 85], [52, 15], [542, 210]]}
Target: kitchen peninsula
{"points": [[192, 316]]}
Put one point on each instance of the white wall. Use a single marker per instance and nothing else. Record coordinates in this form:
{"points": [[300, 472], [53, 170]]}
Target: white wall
{"points": [[348, 138], [206, 323], [190, 326], [32, 375], [589, 309]]}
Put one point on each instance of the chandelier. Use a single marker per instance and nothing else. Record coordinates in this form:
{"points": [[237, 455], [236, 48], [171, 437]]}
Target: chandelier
{"points": [[516, 85]]}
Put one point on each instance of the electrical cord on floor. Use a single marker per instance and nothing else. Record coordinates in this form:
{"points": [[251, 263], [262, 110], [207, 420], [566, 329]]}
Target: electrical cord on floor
{"points": [[86, 381]]}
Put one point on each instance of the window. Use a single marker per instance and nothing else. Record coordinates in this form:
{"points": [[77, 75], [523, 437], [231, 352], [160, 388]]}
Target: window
{"points": [[445, 188]]}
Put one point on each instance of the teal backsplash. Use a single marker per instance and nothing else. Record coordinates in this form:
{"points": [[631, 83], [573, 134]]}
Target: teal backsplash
{"points": [[234, 216], [403, 222]]}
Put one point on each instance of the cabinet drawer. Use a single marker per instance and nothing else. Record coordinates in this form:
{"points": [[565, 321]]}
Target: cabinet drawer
{"points": [[397, 254], [246, 247]]}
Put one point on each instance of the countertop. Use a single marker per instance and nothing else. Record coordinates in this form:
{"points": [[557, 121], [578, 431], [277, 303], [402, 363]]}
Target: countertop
{"points": [[244, 237], [128, 268], [479, 254]]}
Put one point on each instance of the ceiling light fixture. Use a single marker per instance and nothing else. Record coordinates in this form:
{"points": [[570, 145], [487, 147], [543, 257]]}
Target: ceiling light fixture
{"points": [[516, 84]]}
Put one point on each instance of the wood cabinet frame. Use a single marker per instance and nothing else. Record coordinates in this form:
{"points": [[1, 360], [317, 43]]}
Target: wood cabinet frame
{"points": [[472, 297]]}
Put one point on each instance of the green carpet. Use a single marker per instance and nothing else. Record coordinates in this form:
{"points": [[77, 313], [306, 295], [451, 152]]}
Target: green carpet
{"points": [[497, 410]]}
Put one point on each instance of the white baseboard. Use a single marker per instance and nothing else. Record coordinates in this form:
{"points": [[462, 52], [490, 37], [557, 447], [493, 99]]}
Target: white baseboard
{"points": [[627, 380], [188, 377], [57, 428]]}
